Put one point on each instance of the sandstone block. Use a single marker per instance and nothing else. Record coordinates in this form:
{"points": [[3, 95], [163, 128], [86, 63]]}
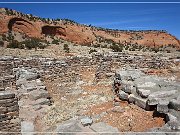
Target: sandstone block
{"points": [[138, 101], [123, 95], [175, 104], [162, 106], [6, 95], [143, 93], [42, 101], [13, 108], [155, 97], [37, 94]]}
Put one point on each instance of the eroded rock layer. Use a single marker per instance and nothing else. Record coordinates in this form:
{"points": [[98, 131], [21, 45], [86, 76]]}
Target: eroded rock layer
{"points": [[81, 34]]}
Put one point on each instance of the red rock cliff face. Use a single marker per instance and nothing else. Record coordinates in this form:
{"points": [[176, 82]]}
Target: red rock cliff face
{"points": [[82, 34], [23, 26]]}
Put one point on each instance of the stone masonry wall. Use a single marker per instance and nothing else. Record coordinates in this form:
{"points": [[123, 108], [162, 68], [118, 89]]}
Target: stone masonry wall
{"points": [[9, 112], [67, 70]]}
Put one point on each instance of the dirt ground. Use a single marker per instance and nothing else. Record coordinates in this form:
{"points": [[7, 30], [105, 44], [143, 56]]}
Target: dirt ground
{"points": [[96, 99], [126, 117]]}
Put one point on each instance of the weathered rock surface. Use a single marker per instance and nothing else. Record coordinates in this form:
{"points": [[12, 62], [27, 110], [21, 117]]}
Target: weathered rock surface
{"points": [[9, 112], [103, 128], [155, 97], [153, 92], [77, 33], [72, 127], [123, 95]]}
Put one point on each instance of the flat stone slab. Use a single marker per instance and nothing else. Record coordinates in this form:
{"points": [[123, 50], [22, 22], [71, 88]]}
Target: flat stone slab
{"points": [[154, 98], [42, 101], [143, 92], [6, 95], [37, 94], [130, 73], [103, 128], [138, 101], [27, 74]]}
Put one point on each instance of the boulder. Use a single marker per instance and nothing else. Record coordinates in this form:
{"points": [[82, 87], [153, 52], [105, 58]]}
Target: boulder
{"points": [[86, 121]]}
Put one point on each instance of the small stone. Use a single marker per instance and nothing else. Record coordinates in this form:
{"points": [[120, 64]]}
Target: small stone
{"points": [[123, 95], [86, 121], [118, 109], [116, 104]]}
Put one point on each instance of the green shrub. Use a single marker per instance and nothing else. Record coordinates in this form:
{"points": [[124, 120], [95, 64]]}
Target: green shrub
{"points": [[34, 43], [10, 37], [55, 41], [29, 44], [116, 48], [15, 44], [92, 50], [1, 43], [97, 45], [66, 48], [104, 46], [4, 37]]}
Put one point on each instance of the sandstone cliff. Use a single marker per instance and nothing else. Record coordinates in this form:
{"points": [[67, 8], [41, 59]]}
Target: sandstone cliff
{"points": [[32, 26]]}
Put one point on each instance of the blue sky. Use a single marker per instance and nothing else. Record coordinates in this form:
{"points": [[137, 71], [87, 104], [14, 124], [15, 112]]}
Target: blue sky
{"points": [[117, 16]]}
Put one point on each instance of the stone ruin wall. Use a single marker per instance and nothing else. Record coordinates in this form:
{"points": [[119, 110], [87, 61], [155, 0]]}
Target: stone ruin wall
{"points": [[67, 70], [9, 112]]}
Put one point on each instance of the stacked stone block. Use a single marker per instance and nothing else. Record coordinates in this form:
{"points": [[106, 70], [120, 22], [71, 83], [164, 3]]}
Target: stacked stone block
{"points": [[9, 113]]}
